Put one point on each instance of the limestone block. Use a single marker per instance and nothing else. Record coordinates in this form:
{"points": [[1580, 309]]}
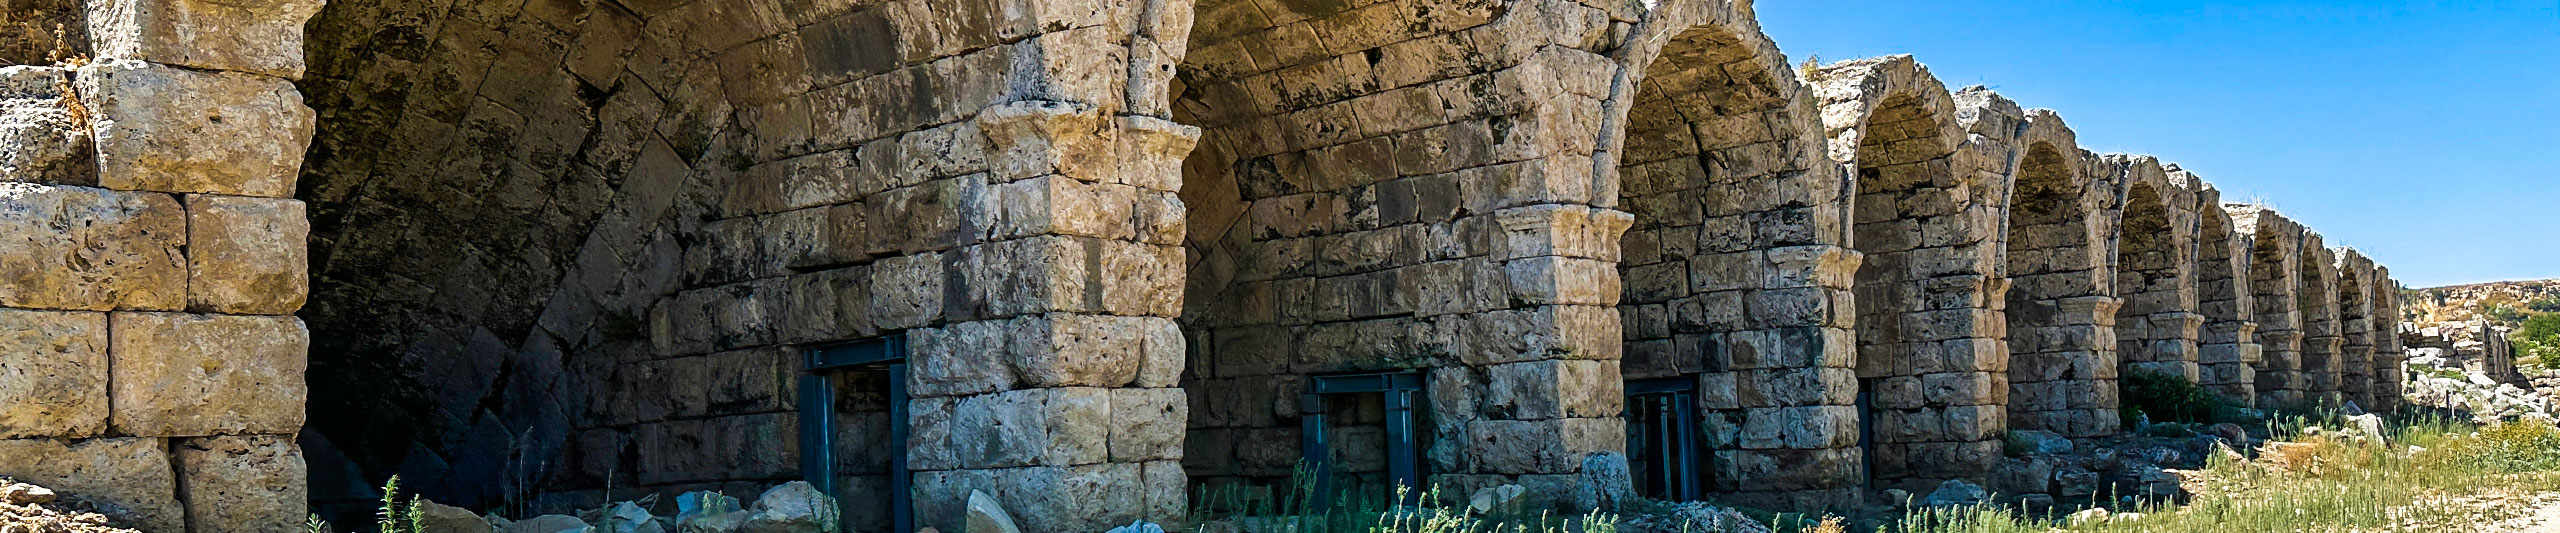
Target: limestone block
{"points": [[127, 472], [906, 291], [1147, 424], [1553, 280], [260, 36], [1048, 498], [53, 374], [1069, 350], [243, 483], [1028, 139], [1556, 331], [728, 447], [39, 140], [1034, 427], [246, 255], [239, 134], [1538, 390], [90, 249], [177, 374], [960, 359], [1142, 279]]}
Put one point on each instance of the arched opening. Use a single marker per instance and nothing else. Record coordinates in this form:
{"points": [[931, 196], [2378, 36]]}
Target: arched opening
{"points": [[567, 253], [1349, 203], [2151, 318], [2228, 350], [1708, 125], [1927, 362], [2274, 245], [2323, 338], [2355, 315], [2062, 366]]}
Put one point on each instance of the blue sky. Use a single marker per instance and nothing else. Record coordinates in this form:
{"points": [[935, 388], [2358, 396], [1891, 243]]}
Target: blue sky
{"points": [[2422, 133]]}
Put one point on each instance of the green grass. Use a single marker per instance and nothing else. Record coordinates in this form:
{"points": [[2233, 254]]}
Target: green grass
{"points": [[2423, 481]]}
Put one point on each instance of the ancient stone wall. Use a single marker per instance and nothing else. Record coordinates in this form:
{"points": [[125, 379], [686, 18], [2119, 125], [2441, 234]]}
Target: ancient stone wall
{"points": [[1925, 221], [2228, 354], [2061, 310], [2158, 324], [1738, 271], [2389, 379], [2275, 258], [2355, 311], [2323, 335], [565, 252], [153, 360]]}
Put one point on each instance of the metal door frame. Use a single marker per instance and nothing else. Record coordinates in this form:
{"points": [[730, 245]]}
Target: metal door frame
{"points": [[1403, 452], [818, 423], [1673, 434]]}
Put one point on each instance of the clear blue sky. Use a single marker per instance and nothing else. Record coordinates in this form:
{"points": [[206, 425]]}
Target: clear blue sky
{"points": [[2423, 133]]}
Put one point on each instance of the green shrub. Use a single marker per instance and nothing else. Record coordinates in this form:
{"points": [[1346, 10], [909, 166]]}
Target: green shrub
{"points": [[2168, 398], [2512, 447]]}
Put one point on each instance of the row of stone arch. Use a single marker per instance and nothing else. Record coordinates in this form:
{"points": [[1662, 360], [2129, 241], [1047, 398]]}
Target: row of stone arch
{"points": [[1149, 225], [1870, 277]]}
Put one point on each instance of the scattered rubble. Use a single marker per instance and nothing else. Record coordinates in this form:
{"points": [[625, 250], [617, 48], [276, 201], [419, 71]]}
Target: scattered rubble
{"points": [[794, 507], [33, 509], [1692, 517]]}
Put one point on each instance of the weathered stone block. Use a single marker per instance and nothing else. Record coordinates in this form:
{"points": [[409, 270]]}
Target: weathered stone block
{"points": [[240, 134], [53, 373], [1539, 390], [246, 255], [906, 291], [91, 249], [127, 472], [40, 142], [961, 359], [1034, 427], [1147, 424], [260, 36], [243, 483], [728, 447], [184, 375]]}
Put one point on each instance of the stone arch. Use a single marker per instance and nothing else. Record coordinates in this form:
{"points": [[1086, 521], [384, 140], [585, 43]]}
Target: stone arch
{"points": [[2157, 325], [567, 243], [1928, 362], [2228, 347], [2388, 353], [2323, 332], [1402, 186], [2060, 315], [2275, 256], [2355, 324], [1733, 266]]}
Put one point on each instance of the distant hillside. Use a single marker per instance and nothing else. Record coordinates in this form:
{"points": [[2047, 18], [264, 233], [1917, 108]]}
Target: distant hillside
{"points": [[2505, 303]]}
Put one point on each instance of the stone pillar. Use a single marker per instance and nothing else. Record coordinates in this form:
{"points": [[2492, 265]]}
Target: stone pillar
{"points": [[1794, 383], [2320, 360], [2280, 378], [159, 365], [1062, 320], [2388, 352], [1536, 390], [2355, 361], [2064, 378], [2228, 360], [2164, 343]]}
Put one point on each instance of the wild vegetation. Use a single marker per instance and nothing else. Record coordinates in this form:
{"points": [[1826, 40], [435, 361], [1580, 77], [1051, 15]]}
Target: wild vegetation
{"points": [[2428, 473]]}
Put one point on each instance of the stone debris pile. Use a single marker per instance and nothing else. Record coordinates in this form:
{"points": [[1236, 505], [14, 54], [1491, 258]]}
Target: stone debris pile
{"points": [[794, 507], [2444, 383], [26, 508]]}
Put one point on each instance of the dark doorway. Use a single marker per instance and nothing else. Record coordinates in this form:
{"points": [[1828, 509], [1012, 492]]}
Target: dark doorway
{"points": [[858, 389], [1662, 438]]}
